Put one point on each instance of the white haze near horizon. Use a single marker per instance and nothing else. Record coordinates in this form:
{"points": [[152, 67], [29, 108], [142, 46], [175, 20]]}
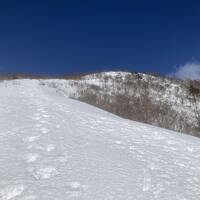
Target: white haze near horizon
{"points": [[188, 71]]}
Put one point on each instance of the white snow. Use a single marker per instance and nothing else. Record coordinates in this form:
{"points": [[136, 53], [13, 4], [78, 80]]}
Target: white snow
{"points": [[173, 94], [55, 148]]}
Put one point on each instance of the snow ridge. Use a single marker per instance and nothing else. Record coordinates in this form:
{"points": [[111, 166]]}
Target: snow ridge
{"points": [[164, 102]]}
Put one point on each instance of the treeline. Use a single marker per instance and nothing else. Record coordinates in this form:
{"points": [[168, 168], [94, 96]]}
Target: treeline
{"points": [[22, 76], [148, 99]]}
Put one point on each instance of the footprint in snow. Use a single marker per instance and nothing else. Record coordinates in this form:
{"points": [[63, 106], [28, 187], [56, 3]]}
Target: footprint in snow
{"points": [[44, 130], [58, 126], [31, 138], [50, 147], [38, 125], [190, 149], [75, 189], [118, 142], [32, 157], [63, 159], [45, 116], [45, 172], [10, 192], [75, 185], [146, 181]]}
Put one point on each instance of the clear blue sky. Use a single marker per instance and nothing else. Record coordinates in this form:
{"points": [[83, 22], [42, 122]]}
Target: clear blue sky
{"points": [[60, 37]]}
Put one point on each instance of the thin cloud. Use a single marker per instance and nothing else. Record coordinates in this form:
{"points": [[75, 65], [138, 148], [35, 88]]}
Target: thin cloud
{"points": [[189, 71]]}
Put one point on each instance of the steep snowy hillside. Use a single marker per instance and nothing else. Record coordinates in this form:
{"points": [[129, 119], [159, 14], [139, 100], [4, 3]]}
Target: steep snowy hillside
{"points": [[55, 148], [159, 101]]}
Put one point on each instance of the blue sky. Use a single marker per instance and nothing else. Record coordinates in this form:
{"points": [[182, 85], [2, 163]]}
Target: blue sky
{"points": [[61, 37]]}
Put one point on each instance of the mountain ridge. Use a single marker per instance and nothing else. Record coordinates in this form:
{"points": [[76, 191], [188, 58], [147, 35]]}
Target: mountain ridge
{"points": [[165, 102]]}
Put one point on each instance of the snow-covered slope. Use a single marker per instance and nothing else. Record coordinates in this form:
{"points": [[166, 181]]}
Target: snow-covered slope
{"points": [[159, 101], [55, 148]]}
